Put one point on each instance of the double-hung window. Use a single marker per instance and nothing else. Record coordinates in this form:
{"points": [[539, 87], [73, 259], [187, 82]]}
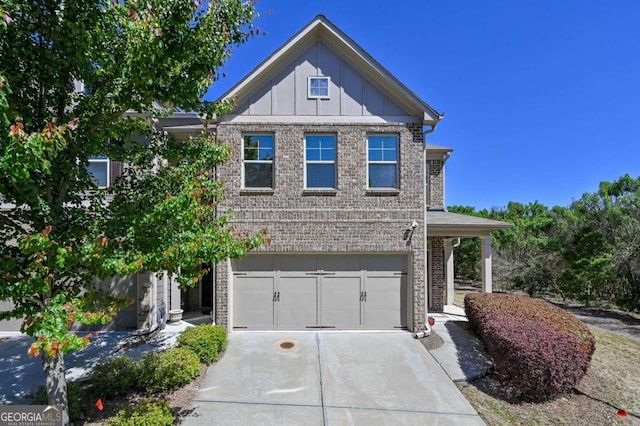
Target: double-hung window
{"points": [[320, 161], [382, 161], [98, 168], [257, 159]]}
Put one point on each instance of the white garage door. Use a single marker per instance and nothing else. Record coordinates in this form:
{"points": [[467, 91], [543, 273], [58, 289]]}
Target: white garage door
{"points": [[305, 292]]}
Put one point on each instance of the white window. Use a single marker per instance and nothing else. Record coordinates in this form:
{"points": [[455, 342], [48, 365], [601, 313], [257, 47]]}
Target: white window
{"points": [[99, 169], [320, 161], [382, 161], [318, 87], [257, 159]]}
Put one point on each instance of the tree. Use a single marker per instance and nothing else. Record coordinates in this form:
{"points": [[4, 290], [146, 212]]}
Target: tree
{"points": [[526, 255], [467, 255], [603, 247], [63, 232]]}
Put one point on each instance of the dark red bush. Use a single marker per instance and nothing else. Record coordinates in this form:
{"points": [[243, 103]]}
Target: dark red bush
{"points": [[538, 350]]}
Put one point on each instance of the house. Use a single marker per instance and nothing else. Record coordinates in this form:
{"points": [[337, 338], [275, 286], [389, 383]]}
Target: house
{"points": [[329, 156]]}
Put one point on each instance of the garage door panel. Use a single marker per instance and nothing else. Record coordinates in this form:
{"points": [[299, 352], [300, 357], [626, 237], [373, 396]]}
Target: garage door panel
{"points": [[262, 262], [294, 292], [297, 303], [340, 305], [299, 263], [341, 263], [385, 306], [385, 262], [253, 303]]}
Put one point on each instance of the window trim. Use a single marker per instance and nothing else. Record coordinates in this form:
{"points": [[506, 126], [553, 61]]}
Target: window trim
{"points": [[244, 161], [396, 163], [107, 162], [318, 77], [334, 162]]}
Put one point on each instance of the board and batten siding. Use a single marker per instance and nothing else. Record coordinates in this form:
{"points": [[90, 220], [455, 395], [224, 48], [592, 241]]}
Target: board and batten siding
{"points": [[351, 93]]}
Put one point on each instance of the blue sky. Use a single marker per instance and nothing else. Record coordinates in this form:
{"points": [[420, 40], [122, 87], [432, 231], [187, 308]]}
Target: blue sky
{"points": [[541, 98]]}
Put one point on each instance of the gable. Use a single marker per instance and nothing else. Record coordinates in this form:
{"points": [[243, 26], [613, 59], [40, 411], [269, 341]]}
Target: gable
{"points": [[360, 89], [351, 93]]}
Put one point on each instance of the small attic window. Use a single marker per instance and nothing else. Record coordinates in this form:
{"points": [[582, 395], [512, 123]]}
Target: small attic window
{"points": [[318, 87]]}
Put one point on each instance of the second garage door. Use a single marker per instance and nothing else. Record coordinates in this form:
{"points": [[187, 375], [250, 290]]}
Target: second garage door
{"points": [[304, 292]]}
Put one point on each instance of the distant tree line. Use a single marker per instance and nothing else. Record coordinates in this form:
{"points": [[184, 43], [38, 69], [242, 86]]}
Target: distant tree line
{"points": [[589, 251]]}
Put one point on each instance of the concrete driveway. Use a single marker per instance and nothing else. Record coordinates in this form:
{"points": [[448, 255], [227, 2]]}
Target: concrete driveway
{"points": [[328, 378]]}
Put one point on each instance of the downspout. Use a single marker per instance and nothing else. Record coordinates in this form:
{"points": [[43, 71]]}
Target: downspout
{"points": [[427, 327]]}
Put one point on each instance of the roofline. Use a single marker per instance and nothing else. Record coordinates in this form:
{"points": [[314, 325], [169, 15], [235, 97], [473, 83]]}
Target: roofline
{"points": [[462, 232], [436, 148], [464, 229], [430, 116]]}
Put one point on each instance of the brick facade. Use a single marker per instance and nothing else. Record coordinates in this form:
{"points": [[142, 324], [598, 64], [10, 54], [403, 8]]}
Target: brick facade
{"points": [[438, 283], [435, 182], [350, 220]]}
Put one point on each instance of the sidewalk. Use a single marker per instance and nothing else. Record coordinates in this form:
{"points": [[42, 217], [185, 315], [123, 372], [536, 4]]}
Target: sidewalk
{"points": [[462, 356], [22, 374]]}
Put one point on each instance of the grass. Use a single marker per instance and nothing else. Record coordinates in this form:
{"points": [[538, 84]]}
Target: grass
{"points": [[611, 383]]}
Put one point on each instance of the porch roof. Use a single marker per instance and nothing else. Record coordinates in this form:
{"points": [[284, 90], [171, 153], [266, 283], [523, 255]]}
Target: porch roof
{"points": [[441, 223]]}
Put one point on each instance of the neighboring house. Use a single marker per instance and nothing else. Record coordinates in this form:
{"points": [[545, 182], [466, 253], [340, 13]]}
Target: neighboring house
{"points": [[330, 158]]}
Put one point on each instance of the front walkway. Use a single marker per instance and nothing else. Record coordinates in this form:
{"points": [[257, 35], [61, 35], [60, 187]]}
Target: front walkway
{"points": [[328, 378], [462, 356], [22, 374]]}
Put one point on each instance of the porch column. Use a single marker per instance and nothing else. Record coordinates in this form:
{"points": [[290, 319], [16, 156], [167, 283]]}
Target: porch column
{"points": [[487, 283], [175, 293], [448, 258], [166, 287]]}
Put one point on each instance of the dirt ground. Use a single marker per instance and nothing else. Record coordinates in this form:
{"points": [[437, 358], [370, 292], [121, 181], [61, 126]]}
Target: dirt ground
{"points": [[623, 323]]}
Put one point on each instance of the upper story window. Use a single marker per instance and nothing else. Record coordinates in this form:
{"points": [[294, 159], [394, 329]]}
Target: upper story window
{"points": [[257, 159], [99, 169], [318, 87], [382, 161], [320, 161]]}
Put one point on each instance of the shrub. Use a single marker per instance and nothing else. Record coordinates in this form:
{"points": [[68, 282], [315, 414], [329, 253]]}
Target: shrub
{"points": [[168, 370], [538, 350], [74, 400], [147, 413], [115, 376], [208, 341]]}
